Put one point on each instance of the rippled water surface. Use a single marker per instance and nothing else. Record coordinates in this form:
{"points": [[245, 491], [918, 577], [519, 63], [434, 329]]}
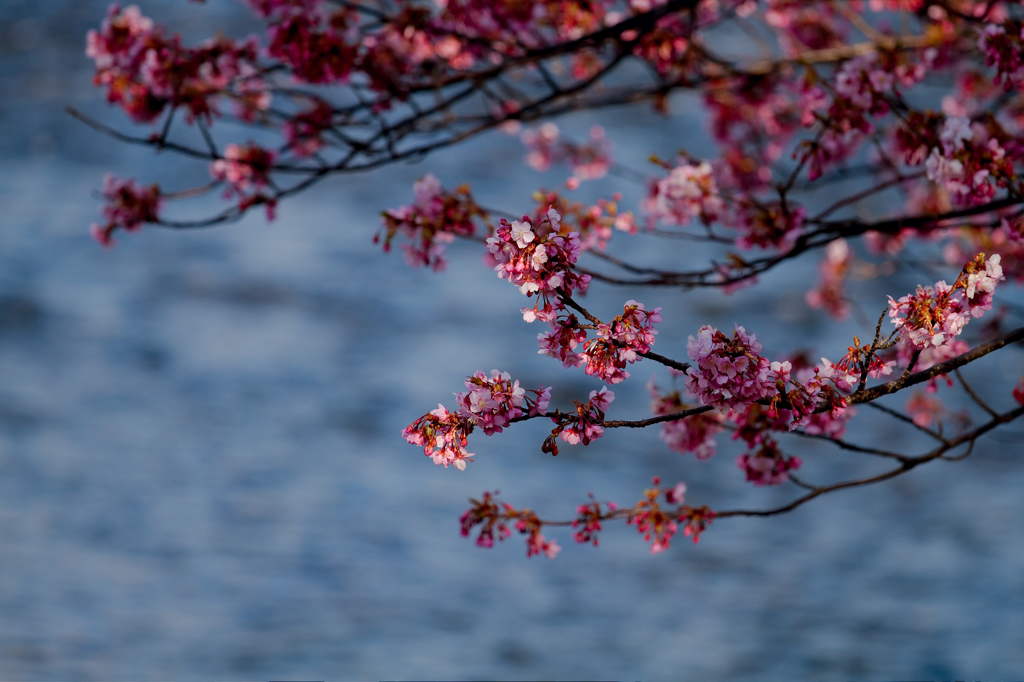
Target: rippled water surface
{"points": [[201, 474]]}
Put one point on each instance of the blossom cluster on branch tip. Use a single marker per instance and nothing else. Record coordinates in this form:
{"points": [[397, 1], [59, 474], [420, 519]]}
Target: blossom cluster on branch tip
{"points": [[539, 264], [934, 316], [128, 207], [490, 402], [432, 221]]}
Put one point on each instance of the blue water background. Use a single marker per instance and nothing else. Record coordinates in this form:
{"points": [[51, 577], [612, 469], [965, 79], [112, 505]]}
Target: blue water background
{"points": [[201, 473]]}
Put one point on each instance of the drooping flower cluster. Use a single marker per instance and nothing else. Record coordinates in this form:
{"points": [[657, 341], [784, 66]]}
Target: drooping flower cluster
{"points": [[764, 463], [583, 426], [688, 192], [934, 316], [127, 208], [727, 373], [432, 221], [560, 343], [540, 266], [493, 401], [695, 433], [622, 341], [490, 403]]}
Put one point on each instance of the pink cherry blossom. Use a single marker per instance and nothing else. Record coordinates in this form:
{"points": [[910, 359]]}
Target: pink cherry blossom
{"points": [[688, 192], [695, 433], [767, 465], [542, 266], [432, 221], [727, 372]]}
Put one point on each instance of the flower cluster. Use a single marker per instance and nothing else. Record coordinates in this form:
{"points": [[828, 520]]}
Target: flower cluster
{"points": [[536, 544], [846, 372], [594, 222], [746, 112], [433, 220], [1003, 46], [539, 265], [688, 192], [970, 162], [628, 336], [767, 465], [934, 316], [144, 71], [443, 435], [695, 521], [654, 523], [727, 372], [695, 433], [583, 426], [127, 208], [246, 169], [493, 401], [493, 519], [304, 131], [588, 521], [863, 87]]}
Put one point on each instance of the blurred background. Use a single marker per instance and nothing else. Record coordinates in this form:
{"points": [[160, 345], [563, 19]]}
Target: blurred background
{"points": [[202, 474]]}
